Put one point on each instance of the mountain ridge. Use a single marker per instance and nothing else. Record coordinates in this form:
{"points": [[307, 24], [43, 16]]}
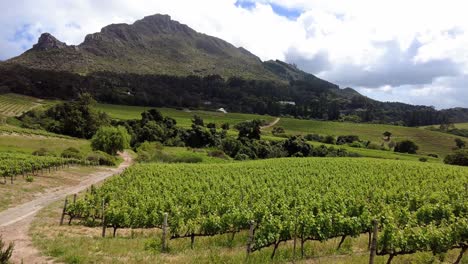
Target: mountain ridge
{"points": [[153, 45]]}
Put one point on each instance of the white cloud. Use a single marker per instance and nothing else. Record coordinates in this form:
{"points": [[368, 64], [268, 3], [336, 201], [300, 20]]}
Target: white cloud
{"points": [[411, 51]]}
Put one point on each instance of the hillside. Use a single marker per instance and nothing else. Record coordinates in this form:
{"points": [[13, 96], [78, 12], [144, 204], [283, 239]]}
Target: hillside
{"points": [[153, 45]]}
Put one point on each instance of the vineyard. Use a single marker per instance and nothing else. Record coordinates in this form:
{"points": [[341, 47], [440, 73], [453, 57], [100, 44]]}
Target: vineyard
{"points": [[13, 104], [416, 207], [14, 164]]}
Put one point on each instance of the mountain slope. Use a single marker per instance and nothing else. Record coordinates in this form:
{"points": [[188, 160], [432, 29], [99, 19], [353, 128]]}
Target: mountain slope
{"points": [[153, 45]]}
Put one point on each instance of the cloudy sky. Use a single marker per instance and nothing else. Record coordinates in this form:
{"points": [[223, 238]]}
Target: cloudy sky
{"points": [[411, 51]]}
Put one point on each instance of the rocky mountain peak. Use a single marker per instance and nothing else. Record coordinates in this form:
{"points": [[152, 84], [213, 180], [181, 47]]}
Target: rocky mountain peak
{"points": [[47, 42]]}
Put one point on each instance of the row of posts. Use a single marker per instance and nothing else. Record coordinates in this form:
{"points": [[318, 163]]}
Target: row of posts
{"points": [[250, 241]]}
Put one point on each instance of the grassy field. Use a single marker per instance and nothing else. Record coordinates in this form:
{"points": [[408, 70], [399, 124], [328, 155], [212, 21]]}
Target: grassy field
{"points": [[29, 143], [462, 125], [182, 117], [428, 141]]}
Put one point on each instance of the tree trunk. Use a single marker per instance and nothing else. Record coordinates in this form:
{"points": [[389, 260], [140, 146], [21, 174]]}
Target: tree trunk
{"points": [[390, 258], [274, 249], [341, 241]]}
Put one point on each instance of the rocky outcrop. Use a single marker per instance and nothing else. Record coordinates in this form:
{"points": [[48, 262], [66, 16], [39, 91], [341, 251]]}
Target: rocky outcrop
{"points": [[48, 42]]}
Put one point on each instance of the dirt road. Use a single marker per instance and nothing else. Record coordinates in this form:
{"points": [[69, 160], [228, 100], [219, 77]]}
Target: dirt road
{"points": [[15, 221], [271, 124]]}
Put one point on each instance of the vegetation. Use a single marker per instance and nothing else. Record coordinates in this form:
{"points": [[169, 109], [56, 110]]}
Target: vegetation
{"points": [[426, 211], [310, 97], [5, 252], [15, 104], [406, 146], [76, 118], [111, 139], [458, 158], [428, 141], [12, 164]]}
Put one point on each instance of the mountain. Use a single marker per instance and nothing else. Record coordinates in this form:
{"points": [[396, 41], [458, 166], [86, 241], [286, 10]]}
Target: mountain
{"points": [[153, 45], [157, 61]]}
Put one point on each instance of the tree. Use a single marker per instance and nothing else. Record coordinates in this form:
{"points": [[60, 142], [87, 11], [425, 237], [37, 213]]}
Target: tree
{"points": [[458, 158], [297, 146], [198, 121], [225, 126], [406, 146], [249, 129], [460, 143], [387, 135], [111, 139]]}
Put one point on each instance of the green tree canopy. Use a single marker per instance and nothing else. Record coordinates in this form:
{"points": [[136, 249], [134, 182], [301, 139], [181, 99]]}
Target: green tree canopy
{"points": [[111, 139]]}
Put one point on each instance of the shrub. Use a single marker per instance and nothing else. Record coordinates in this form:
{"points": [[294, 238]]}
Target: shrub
{"points": [[406, 146], [329, 140], [101, 158], [241, 156], [423, 159], [277, 131], [29, 178], [111, 139], [218, 154], [5, 252], [42, 152], [341, 140], [314, 137], [71, 153], [433, 155], [356, 144], [458, 158]]}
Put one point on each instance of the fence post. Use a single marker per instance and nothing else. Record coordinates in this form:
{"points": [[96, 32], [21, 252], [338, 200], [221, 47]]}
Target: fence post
{"points": [[64, 210], [104, 225], [164, 233], [251, 237], [373, 248]]}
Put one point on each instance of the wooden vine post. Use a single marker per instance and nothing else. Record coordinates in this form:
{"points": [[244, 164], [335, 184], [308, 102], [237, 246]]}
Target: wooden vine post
{"points": [[373, 248], [251, 237], [164, 233], [64, 210], [104, 225]]}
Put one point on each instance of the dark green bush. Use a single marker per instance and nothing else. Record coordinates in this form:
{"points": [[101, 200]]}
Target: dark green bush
{"points": [[71, 153], [433, 155], [101, 158], [406, 146], [458, 158], [423, 159], [42, 152]]}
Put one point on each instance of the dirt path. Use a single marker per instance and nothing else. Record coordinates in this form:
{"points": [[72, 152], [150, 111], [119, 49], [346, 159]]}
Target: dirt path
{"points": [[271, 124], [15, 221]]}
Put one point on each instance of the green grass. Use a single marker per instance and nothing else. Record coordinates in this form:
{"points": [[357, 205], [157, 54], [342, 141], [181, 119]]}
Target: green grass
{"points": [[29, 143], [428, 141], [182, 117], [462, 125]]}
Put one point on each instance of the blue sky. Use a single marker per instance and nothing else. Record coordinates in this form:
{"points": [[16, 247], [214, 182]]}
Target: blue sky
{"points": [[409, 51]]}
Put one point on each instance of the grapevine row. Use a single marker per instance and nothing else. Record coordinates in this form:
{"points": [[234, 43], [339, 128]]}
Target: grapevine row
{"points": [[420, 207]]}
